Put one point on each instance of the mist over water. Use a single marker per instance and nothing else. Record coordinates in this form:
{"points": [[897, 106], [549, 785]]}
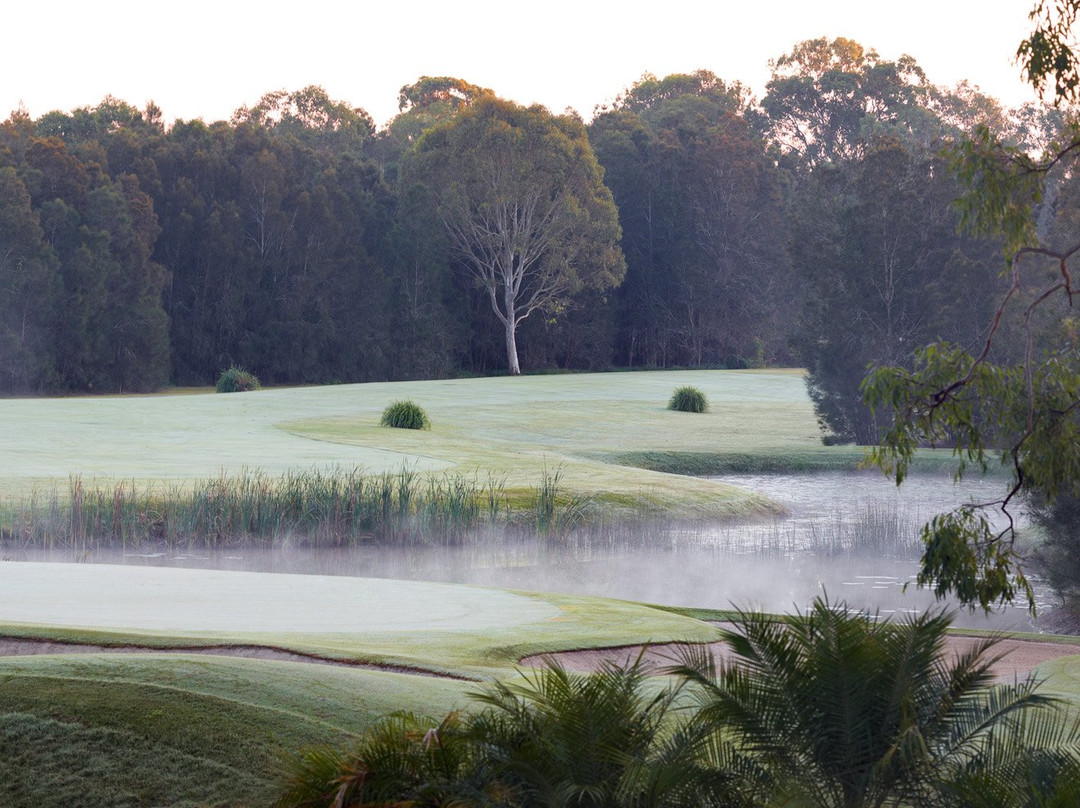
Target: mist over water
{"points": [[851, 535]]}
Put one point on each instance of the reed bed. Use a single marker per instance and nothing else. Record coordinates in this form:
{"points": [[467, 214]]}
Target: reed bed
{"points": [[872, 530], [337, 508]]}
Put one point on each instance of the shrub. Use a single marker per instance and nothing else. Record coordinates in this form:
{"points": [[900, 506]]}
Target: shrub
{"points": [[405, 415], [832, 439], [237, 380], [688, 399]]}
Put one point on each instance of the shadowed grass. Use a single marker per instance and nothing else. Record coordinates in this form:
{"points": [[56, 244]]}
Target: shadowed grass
{"points": [[52, 762], [105, 730], [809, 459]]}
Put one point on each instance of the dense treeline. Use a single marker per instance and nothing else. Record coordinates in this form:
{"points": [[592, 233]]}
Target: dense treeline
{"points": [[813, 226]]}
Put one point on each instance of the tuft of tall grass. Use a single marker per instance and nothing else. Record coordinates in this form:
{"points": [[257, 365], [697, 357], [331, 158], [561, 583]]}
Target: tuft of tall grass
{"points": [[236, 380], [877, 530], [557, 512], [688, 399], [336, 508], [405, 415]]}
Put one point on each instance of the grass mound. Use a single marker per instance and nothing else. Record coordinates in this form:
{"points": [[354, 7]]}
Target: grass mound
{"points": [[405, 415], [688, 399], [236, 380]]}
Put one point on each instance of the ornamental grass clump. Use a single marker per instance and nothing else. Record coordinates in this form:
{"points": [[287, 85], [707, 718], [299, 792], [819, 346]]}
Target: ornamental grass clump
{"points": [[688, 399], [236, 380], [405, 415]]}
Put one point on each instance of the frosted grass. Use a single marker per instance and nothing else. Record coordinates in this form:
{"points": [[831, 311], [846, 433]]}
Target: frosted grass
{"points": [[102, 596]]}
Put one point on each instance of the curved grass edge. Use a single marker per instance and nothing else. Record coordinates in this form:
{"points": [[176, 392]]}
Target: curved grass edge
{"points": [[709, 464], [479, 653]]}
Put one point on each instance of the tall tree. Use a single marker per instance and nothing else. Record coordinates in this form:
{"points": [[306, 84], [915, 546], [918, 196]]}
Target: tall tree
{"points": [[523, 202], [429, 102], [1025, 413], [28, 291], [885, 272], [828, 99], [704, 231], [313, 118]]}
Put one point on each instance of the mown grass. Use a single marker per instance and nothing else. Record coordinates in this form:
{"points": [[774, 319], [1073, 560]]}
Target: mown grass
{"points": [[463, 631], [314, 465], [509, 428], [143, 729], [280, 463], [53, 762], [119, 731]]}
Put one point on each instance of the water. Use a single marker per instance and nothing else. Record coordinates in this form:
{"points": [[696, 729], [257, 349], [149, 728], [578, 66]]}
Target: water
{"points": [[852, 536]]}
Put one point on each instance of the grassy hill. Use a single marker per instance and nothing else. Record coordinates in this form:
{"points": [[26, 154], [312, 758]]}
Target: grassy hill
{"points": [[610, 435]]}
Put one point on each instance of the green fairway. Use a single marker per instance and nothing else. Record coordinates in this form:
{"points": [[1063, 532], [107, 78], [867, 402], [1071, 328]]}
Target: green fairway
{"points": [[513, 428], [165, 728], [134, 728], [465, 631]]}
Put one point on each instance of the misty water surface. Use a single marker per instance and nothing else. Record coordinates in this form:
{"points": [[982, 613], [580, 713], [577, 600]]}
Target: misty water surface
{"points": [[852, 535]]}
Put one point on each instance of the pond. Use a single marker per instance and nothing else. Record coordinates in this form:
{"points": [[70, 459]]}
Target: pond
{"points": [[852, 536]]}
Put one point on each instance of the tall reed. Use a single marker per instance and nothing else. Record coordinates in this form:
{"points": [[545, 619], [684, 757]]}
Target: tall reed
{"points": [[555, 511], [315, 508]]}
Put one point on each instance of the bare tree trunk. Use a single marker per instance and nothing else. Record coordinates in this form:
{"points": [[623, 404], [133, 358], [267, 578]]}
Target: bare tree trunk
{"points": [[510, 321], [511, 348]]}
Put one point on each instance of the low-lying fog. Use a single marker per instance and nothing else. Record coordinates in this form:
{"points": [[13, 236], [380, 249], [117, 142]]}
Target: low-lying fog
{"points": [[853, 535]]}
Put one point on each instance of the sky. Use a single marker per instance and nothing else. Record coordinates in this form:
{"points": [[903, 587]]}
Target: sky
{"points": [[204, 58]]}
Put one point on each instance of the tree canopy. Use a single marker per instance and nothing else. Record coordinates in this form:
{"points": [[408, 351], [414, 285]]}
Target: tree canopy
{"points": [[524, 206], [704, 227], [810, 227]]}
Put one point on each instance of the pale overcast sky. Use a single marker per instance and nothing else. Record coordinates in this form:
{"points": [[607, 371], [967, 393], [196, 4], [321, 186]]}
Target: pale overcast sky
{"points": [[203, 59]]}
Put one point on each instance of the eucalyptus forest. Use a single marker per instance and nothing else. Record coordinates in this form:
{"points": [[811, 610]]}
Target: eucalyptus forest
{"points": [[687, 224]]}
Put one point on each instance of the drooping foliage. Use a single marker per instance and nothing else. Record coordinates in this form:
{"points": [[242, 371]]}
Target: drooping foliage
{"points": [[1020, 410]]}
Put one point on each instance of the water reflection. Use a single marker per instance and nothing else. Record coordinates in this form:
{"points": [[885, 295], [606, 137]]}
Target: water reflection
{"points": [[852, 535]]}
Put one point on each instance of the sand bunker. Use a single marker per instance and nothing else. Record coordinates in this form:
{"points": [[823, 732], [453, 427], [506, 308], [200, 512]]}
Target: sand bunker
{"points": [[201, 601], [1019, 657], [195, 601]]}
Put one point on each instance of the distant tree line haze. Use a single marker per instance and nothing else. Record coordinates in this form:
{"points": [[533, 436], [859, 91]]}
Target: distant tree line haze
{"points": [[688, 224]]}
